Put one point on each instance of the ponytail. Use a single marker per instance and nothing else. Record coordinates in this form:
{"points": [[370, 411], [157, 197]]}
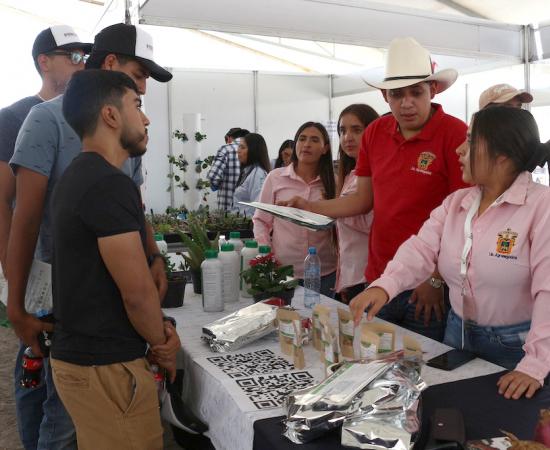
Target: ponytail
{"points": [[539, 157]]}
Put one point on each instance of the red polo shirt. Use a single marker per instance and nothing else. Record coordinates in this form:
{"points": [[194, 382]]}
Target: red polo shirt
{"points": [[409, 179]]}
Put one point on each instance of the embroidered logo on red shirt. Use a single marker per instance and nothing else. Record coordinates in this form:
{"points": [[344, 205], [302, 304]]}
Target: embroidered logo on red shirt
{"points": [[425, 159], [505, 241]]}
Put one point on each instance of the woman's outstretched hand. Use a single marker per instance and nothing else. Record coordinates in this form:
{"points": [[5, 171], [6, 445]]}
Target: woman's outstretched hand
{"points": [[372, 299], [295, 202]]}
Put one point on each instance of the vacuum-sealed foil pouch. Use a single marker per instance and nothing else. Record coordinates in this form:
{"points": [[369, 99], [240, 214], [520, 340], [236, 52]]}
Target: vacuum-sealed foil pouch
{"points": [[392, 421], [240, 327], [357, 389]]}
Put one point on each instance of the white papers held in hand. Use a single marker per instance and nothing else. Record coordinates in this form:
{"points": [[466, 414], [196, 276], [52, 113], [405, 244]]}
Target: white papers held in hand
{"points": [[300, 217]]}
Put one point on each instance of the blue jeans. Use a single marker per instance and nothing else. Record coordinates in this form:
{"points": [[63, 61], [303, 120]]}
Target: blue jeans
{"points": [[500, 345], [400, 312], [42, 420]]}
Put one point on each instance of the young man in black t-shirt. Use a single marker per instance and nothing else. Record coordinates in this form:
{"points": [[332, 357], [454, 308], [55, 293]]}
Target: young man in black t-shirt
{"points": [[106, 304]]}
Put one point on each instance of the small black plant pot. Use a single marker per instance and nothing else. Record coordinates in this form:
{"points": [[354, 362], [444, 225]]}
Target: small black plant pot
{"points": [[286, 296], [175, 292], [196, 276]]}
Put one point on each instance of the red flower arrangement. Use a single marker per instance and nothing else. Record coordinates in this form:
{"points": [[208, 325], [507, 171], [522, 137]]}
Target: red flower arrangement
{"points": [[267, 275]]}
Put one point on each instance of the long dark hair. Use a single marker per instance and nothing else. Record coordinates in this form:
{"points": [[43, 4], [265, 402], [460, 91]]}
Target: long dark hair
{"points": [[289, 143], [365, 114], [257, 155], [511, 132], [326, 170]]}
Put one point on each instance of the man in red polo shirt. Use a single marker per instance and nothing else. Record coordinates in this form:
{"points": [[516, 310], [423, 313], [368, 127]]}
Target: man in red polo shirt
{"points": [[407, 165]]}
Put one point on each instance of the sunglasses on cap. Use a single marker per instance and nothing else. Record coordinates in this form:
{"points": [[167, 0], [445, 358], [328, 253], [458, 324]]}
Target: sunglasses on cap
{"points": [[75, 57]]}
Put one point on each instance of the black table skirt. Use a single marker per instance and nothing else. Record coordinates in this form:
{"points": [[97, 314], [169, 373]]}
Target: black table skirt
{"points": [[485, 414]]}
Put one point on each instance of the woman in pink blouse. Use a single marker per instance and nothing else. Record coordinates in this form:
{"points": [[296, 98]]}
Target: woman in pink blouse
{"points": [[310, 175], [353, 232], [490, 243]]}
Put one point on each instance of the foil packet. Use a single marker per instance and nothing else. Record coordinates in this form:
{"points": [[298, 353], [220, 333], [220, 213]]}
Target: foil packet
{"points": [[240, 327], [360, 397]]}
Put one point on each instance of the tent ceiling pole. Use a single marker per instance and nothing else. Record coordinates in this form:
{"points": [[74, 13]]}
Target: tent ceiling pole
{"points": [[462, 9], [526, 60], [255, 99], [170, 145]]}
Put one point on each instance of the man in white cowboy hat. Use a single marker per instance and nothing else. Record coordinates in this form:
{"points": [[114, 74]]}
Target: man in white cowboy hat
{"points": [[407, 165], [504, 95]]}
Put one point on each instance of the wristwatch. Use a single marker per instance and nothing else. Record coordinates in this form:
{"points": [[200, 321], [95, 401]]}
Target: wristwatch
{"points": [[151, 258], [436, 282], [169, 319]]}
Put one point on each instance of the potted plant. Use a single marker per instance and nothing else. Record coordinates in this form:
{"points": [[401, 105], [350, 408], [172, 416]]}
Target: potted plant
{"points": [[196, 242], [268, 278], [175, 274]]}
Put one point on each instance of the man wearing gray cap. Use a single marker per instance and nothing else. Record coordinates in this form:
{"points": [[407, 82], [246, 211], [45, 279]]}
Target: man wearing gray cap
{"points": [[57, 53], [45, 147]]}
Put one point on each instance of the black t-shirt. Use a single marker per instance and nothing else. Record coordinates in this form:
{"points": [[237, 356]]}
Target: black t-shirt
{"points": [[92, 199], [11, 119]]}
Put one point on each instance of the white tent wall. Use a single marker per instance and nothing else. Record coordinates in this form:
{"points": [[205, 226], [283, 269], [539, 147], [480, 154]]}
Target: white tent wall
{"points": [[224, 100], [287, 101]]}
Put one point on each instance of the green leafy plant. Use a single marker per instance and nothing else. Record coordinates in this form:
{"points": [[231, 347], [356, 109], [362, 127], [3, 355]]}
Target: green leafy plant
{"points": [[266, 274], [174, 272], [199, 136], [181, 136], [196, 244]]}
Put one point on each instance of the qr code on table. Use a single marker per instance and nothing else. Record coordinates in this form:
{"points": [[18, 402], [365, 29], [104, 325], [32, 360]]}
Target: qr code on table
{"points": [[239, 365], [269, 391]]}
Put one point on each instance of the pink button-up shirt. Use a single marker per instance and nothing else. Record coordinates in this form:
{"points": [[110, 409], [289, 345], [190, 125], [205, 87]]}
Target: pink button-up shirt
{"points": [[353, 242], [290, 242], [508, 275]]}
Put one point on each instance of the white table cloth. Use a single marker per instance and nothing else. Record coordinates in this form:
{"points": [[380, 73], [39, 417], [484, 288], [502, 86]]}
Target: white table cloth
{"points": [[230, 427]]}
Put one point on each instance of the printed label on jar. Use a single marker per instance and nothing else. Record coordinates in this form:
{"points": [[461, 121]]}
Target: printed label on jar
{"points": [[346, 327], [368, 350], [385, 342], [329, 353], [288, 330]]}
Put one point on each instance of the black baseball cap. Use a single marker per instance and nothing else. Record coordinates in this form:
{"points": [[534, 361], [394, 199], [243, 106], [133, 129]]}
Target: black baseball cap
{"points": [[58, 37], [127, 40]]}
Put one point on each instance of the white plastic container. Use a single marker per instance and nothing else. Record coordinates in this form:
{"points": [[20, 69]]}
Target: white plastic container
{"points": [[161, 243], [212, 279], [230, 269], [221, 241], [235, 239], [250, 251]]}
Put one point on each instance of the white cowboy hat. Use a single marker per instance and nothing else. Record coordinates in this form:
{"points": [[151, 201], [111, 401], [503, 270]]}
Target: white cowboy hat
{"points": [[408, 63]]}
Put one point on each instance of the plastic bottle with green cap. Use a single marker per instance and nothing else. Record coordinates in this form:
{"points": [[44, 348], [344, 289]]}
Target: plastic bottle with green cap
{"points": [[250, 251], [212, 280], [264, 249], [161, 243], [230, 269], [235, 239]]}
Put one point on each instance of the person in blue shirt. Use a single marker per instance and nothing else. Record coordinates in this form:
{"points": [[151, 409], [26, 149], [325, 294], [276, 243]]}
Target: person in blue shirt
{"points": [[254, 160]]}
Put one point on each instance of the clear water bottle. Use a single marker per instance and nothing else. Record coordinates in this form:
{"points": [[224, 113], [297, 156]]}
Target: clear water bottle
{"points": [[312, 278]]}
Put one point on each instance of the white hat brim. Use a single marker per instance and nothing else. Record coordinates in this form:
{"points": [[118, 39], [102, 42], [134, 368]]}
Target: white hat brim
{"points": [[445, 78]]}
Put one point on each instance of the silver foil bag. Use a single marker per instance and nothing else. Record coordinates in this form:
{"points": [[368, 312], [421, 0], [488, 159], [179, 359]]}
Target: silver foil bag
{"points": [[392, 421], [384, 396], [240, 327]]}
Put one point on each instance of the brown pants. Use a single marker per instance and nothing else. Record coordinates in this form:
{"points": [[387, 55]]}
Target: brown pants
{"points": [[113, 406]]}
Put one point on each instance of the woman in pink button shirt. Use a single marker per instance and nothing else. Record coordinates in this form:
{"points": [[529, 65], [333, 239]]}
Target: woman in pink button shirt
{"points": [[353, 232], [491, 245], [311, 175]]}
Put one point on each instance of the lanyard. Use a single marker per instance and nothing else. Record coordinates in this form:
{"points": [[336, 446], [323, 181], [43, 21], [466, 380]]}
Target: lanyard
{"points": [[468, 239], [465, 258]]}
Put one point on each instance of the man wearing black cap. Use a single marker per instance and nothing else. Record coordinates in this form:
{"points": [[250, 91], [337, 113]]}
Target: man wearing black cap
{"points": [[45, 147], [57, 53]]}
